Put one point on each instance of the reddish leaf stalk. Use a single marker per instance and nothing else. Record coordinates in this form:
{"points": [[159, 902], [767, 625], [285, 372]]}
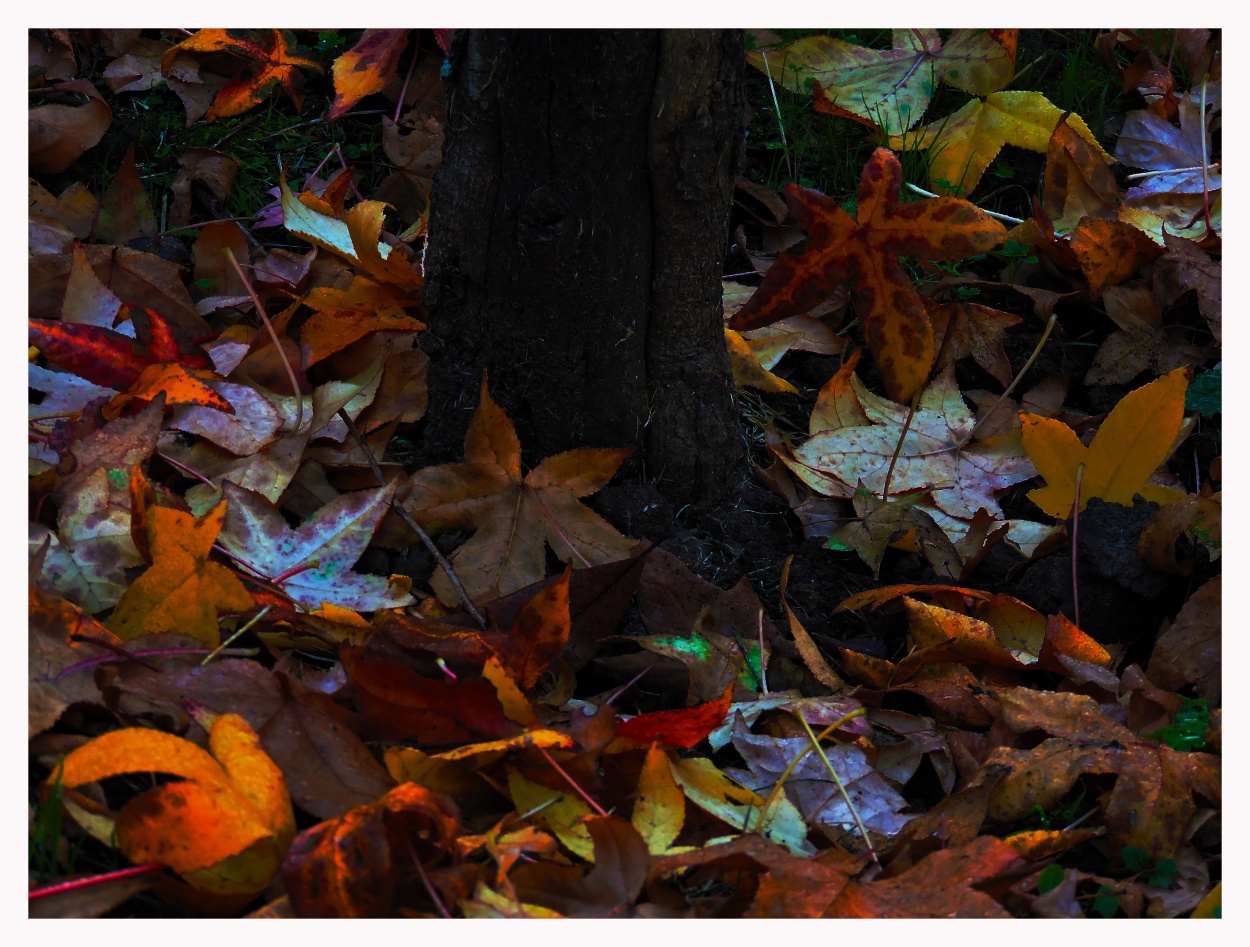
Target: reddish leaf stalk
{"points": [[429, 885], [151, 653], [92, 881], [299, 398], [1037, 350], [569, 779], [412, 64], [185, 469], [412, 524], [885, 489]]}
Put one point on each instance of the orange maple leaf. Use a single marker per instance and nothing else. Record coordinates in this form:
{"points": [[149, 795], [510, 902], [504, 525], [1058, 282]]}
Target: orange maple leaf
{"points": [[182, 590], [273, 62], [865, 250], [513, 515]]}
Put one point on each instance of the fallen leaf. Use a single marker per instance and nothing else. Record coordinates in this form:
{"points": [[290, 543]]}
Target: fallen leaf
{"points": [[366, 68], [1189, 651], [182, 590], [351, 866], [514, 516], [312, 564], [976, 332], [224, 829], [60, 133], [819, 798], [962, 145], [678, 728], [1179, 156], [865, 251], [960, 482], [891, 88], [272, 62], [942, 885], [1132, 442], [660, 808], [1153, 795]]}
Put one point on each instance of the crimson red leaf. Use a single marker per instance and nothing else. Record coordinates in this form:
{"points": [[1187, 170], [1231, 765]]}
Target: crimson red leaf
{"points": [[678, 728]]}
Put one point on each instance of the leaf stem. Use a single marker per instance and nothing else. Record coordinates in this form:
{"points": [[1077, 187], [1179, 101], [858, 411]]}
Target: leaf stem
{"points": [[569, 779], [841, 788], [1005, 218], [299, 398], [412, 523], [1050, 324]]}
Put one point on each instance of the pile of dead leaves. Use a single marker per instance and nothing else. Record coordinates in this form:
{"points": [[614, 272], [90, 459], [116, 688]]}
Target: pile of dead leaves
{"points": [[209, 463]]}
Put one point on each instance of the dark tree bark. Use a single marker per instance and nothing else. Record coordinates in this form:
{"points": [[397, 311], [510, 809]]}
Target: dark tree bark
{"points": [[578, 229]]}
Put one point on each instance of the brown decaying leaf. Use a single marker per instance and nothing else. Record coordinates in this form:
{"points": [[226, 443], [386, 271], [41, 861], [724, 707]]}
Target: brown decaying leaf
{"points": [[514, 517], [1189, 650], [60, 133]]}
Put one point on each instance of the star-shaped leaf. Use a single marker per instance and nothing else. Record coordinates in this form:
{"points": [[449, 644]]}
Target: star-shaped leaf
{"points": [[514, 516], [962, 145], [182, 590], [891, 88], [313, 563], [273, 62], [961, 481], [865, 251]]}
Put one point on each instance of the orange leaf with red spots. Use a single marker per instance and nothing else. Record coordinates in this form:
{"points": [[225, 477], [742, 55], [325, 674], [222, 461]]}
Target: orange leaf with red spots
{"points": [[272, 62], [865, 251]]}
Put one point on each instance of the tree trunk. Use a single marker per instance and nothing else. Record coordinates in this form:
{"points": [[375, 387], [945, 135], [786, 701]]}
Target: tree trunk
{"points": [[578, 229]]}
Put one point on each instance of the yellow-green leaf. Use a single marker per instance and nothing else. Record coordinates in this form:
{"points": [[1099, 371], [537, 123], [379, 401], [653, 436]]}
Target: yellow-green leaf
{"points": [[963, 144]]}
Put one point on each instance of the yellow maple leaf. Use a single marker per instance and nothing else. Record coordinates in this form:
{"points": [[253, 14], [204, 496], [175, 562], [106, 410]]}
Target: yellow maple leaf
{"points": [[182, 590], [1132, 442], [964, 143]]}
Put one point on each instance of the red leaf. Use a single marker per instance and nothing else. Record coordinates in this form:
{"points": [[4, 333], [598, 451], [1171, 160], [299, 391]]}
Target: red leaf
{"points": [[678, 728]]}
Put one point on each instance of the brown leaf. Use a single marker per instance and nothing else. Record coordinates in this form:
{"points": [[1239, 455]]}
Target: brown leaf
{"points": [[941, 885], [865, 251], [1189, 650], [514, 517], [60, 133], [620, 867], [351, 866]]}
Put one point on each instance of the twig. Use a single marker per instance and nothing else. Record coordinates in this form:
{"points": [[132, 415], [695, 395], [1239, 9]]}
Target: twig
{"points": [[225, 644], [412, 523], [1005, 218], [569, 779], [1050, 324], [841, 788], [299, 398]]}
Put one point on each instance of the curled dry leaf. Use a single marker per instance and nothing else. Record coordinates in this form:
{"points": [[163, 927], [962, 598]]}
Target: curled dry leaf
{"points": [[224, 828]]}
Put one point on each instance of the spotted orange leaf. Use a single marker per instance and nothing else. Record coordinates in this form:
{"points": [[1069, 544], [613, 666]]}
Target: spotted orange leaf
{"points": [[865, 251], [272, 62]]}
